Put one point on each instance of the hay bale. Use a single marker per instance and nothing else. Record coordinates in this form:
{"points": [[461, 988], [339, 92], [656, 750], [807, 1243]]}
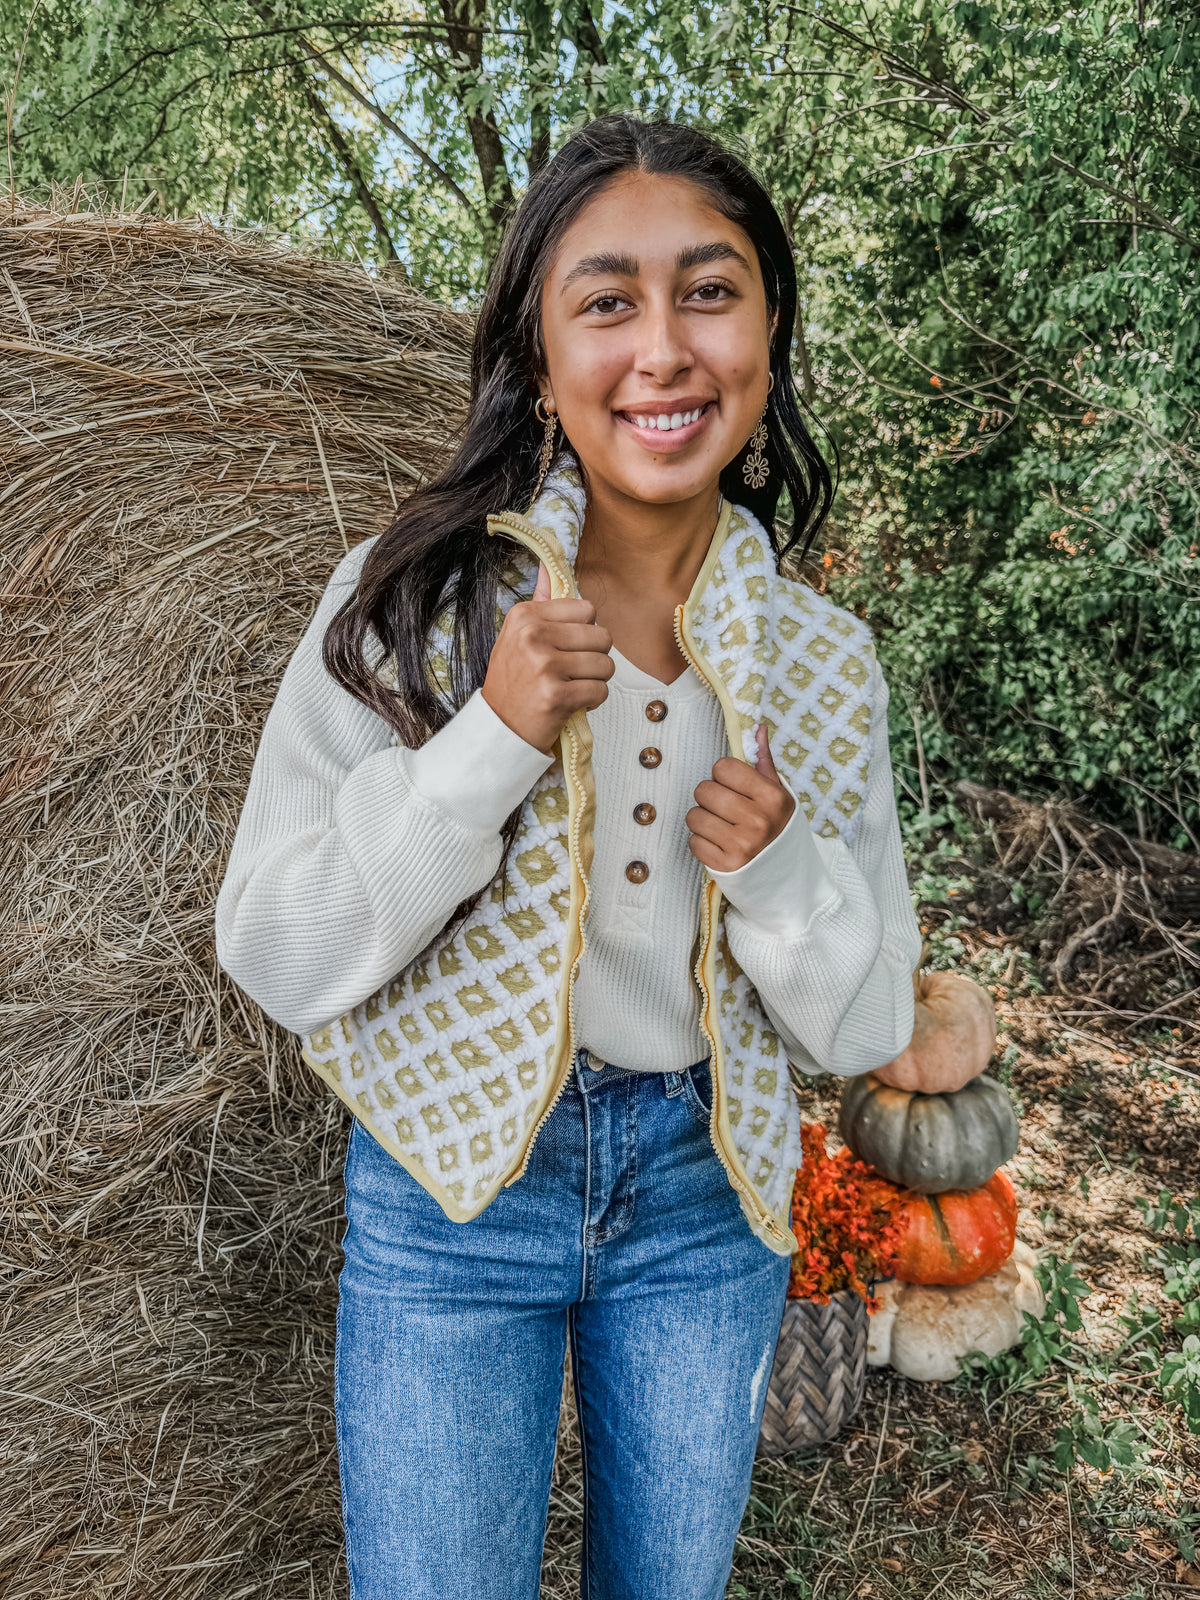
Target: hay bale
{"points": [[196, 423]]}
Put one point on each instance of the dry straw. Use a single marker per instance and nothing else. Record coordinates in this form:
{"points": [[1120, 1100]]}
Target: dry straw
{"points": [[194, 424]]}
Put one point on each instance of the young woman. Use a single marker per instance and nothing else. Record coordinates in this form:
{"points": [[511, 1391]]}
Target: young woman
{"points": [[572, 824]]}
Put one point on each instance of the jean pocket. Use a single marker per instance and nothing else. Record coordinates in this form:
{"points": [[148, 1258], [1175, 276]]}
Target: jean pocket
{"points": [[697, 1093]]}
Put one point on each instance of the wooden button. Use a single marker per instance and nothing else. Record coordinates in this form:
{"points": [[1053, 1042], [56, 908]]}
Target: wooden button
{"points": [[644, 813], [656, 710], [637, 872], [650, 757]]}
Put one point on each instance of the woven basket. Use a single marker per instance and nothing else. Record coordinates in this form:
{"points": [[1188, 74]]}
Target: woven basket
{"points": [[819, 1375]]}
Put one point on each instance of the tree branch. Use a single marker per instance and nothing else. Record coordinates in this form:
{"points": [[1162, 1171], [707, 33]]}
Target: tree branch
{"points": [[413, 30], [950, 94], [381, 115], [350, 165], [540, 17], [584, 34], [463, 18]]}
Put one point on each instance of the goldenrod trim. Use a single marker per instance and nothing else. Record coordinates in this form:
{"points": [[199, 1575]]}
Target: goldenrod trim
{"points": [[576, 747], [720, 1131], [452, 1208], [691, 650], [577, 767], [764, 1222], [720, 533], [541, 542], [776, 1234]]}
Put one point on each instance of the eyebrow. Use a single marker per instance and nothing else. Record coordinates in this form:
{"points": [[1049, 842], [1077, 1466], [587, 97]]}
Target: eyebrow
{"points": [[615, 263]]}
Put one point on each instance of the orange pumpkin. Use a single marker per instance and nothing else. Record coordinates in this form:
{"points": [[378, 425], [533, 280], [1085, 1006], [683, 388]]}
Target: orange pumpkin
{"points": [[955, 1237]]}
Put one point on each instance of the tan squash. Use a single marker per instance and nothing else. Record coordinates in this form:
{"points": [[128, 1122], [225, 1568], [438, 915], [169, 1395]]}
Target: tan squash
{"points": [[924, 1331], [954, 1033]]}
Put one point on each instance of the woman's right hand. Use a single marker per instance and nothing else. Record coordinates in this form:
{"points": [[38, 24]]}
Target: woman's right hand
{"points": [[550, 659]]}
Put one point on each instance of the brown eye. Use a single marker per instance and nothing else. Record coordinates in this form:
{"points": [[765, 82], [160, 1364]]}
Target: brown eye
{"points": [[605, 304], [711, 294]]}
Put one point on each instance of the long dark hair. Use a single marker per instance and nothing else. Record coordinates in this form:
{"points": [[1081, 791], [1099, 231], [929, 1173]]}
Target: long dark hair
{"points": [[436, 553]]}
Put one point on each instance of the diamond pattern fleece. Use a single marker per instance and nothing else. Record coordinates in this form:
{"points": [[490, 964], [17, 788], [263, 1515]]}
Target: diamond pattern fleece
{"points": [[454, 1061]]}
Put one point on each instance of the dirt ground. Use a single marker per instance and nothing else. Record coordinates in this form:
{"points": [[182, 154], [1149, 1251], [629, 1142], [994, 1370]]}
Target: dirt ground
{"points": [[951, 1490]]}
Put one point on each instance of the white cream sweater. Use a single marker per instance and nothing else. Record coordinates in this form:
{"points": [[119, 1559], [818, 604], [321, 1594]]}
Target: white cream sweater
{"points": [[351, 852], [636, 995]]}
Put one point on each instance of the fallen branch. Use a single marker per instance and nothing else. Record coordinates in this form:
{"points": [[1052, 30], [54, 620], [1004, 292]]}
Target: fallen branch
{"points": [[1124, 911], [1106, 928], [1171, 877]]}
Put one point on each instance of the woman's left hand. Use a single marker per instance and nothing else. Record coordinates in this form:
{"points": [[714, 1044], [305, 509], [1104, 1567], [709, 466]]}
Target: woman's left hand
{"points": [[739, 810]]}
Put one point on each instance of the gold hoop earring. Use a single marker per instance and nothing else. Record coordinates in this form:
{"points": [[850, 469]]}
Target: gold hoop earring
{"points": [[756, 468], [550, 418]]}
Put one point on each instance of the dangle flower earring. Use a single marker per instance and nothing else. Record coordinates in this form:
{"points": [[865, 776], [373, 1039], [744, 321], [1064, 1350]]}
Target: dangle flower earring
{"points": [[550, 418], [756, 468]]}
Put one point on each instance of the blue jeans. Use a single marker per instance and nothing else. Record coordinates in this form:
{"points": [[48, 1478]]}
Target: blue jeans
{"points": [[624, 1236]]}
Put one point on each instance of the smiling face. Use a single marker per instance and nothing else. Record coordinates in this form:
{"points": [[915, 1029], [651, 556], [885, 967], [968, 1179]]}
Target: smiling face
{"points": [[657, 337]]}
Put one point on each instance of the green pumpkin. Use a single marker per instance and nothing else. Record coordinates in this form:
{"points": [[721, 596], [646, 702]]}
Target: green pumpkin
{"points": [[929, 1143]]}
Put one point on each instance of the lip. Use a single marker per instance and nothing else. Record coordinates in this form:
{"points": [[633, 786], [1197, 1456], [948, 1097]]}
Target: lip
{"points": [[660, 441]]}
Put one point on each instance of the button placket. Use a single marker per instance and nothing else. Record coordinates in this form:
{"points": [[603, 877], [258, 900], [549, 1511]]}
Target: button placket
{"points": [[638, 894], [644, 813]]}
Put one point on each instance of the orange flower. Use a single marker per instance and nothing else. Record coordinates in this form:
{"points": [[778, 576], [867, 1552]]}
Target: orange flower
{"points": [[846, 1235], [936, 381]]}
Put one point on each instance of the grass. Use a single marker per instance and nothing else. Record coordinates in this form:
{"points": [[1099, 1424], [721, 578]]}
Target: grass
{"points": [[1059, 1469]]}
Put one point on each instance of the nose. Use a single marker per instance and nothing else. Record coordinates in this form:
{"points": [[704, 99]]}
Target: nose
{"points": [[664, 349]]}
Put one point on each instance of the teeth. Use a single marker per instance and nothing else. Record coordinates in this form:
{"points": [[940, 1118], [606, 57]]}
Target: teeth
{"points": [[665, 423]]}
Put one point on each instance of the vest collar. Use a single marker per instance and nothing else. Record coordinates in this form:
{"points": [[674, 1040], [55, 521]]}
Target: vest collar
{"points": [[553, 526], [772, 651]]}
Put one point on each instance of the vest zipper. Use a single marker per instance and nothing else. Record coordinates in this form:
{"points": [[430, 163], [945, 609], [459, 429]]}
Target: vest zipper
{"points": [[711, 1031], [525, 534]]}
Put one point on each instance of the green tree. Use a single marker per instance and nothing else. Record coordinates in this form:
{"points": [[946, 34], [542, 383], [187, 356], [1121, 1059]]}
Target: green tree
{"points": [[1014, 345], [996, 216]]}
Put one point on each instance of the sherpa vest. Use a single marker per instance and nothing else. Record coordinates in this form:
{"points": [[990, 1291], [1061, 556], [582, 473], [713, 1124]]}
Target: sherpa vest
{"points": [[455, 1064]]}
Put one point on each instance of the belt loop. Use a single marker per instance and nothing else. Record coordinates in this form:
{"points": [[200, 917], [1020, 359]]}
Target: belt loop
{"points": [[673, 1083]]}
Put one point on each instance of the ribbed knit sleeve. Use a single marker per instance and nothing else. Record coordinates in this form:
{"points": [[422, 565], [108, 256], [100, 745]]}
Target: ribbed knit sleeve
{"points": [[342, 867], [835, 980]]}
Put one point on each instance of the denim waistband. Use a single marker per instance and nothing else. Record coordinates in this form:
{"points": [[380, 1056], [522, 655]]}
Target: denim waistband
{"points": [[591, 1074]]}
